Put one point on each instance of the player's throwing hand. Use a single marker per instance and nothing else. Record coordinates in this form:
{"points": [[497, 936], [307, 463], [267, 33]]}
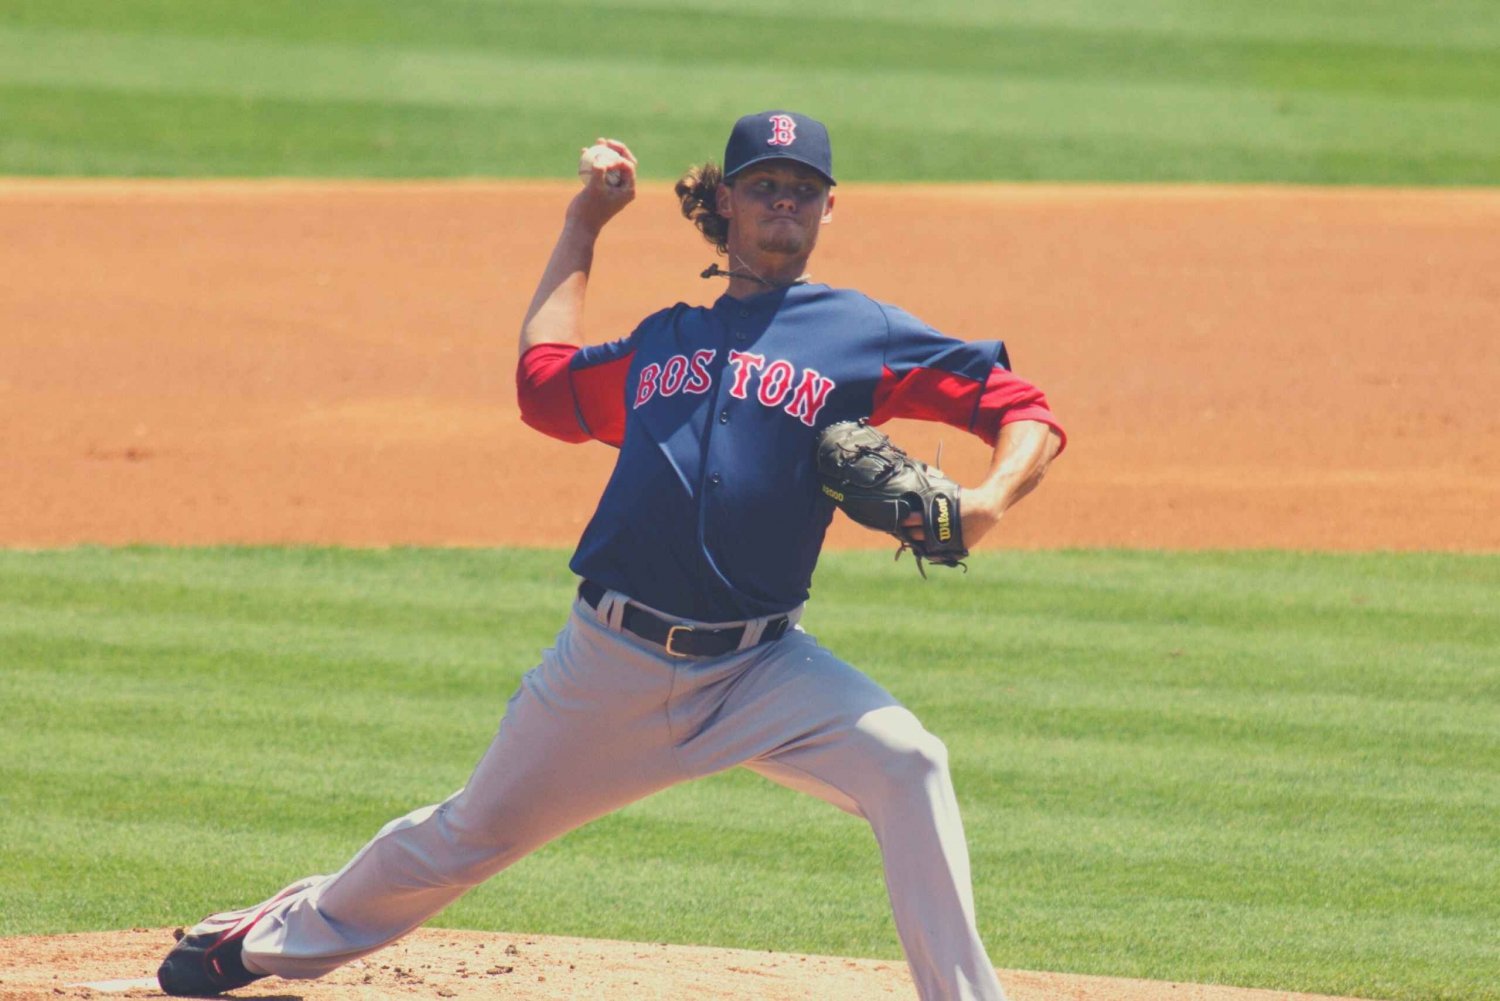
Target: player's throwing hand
{"points": [[607, 170]]}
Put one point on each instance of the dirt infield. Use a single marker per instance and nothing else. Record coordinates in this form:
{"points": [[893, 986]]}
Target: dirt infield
{"points": [[283, 362], [481, 967], [319, 363]]}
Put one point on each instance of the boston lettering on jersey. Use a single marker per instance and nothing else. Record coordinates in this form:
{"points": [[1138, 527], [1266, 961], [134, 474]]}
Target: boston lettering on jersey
{"points": [[803, 393], [775, 385], [679, 372], [713, 511]]}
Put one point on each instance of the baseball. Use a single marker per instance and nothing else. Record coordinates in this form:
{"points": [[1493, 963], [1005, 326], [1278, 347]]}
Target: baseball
{"points": [[600, 155]]}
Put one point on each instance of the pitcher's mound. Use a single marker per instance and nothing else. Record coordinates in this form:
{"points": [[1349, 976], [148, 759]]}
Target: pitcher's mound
{"points": [[481, 965]]}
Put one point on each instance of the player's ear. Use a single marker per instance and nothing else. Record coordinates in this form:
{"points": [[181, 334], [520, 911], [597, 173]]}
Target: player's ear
{"points": [[722, 201], [827, 209]]}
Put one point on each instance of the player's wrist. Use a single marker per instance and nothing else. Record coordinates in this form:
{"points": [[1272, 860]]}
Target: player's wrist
{"points": [[980, 510], [983, 499], [580, 224]]}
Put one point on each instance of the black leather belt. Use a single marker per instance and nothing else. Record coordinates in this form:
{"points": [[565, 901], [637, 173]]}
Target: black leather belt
{"points": [[677, 639]]}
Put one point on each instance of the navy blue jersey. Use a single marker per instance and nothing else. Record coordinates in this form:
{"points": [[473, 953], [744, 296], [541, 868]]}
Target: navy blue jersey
{"points": [[713, 511]]}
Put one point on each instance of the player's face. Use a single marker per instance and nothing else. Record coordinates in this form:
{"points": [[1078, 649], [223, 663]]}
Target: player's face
{"points": [[776, 207]]}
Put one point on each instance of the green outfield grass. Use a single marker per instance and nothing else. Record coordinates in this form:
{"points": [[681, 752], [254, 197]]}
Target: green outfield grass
{"points": [[1322, 91], [1263, 769]]}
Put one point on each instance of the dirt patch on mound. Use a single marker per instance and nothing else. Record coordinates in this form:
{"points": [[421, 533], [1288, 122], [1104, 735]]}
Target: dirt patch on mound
{"points": [[492, 967], [311, 363]]}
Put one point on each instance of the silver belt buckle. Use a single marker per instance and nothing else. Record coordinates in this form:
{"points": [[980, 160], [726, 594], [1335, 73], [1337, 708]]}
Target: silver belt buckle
{"points": [[672, 635]]}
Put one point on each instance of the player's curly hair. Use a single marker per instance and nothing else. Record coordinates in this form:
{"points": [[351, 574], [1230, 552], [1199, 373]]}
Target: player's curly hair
{"points": [[697, 191]]}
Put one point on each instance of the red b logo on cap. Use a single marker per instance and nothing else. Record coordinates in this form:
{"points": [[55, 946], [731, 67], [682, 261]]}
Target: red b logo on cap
{"points": [[783, 130]]}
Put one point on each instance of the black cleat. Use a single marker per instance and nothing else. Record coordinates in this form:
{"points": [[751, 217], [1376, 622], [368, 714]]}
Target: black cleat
{"points": [[205, 965]]}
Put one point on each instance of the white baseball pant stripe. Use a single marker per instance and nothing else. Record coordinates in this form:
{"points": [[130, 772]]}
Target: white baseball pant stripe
{"points": [[607, 719]]}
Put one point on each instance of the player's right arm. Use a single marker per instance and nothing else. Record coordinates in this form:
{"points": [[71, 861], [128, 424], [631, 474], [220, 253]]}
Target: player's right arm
{"points": [[555, 315], [556, 395]]}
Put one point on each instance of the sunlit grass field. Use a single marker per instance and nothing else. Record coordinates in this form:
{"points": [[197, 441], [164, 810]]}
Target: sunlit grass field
{"points": [[1312, 91], [1266, 769]]}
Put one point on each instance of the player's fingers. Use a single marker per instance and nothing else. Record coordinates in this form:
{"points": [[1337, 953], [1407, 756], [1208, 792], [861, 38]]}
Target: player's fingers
{"points": [[619, 148], [616, 176], [612, 178], [912, 525], [621, 173]]}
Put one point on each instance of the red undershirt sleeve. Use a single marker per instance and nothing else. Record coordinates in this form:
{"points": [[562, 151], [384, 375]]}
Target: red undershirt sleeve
{"points": [[573, 394], [965, 403]]}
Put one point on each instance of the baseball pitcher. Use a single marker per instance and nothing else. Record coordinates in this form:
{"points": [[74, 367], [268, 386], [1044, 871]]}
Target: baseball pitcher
{"points": [[740, 427]]}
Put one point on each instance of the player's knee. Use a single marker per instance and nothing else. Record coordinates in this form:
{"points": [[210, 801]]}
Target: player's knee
{"points": [[908, 754], [923, 758]]}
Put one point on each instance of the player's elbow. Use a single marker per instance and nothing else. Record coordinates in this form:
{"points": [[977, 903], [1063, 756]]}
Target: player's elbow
{"points": [[553, 429], [544, 393]]}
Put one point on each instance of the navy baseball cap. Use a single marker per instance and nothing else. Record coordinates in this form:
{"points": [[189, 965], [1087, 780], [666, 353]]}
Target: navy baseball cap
{"points": [[779, 135]]}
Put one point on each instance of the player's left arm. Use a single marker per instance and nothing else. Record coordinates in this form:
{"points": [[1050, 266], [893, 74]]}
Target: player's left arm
{"points": [[1023, 452], [969, 385]]}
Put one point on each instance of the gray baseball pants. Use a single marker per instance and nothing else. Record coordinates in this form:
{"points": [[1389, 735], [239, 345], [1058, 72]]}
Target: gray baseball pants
{"points": [[607, 719]]}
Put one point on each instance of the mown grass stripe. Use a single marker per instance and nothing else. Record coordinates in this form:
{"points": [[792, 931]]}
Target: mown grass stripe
{"points": [[1248, 43], [948, 101], [102, 132], [1459, 23], [824, 41]]}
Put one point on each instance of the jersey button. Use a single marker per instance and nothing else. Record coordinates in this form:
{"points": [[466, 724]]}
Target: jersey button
{"points": [[715, 479], [744, 313], [740, 337], [723, 417]]}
